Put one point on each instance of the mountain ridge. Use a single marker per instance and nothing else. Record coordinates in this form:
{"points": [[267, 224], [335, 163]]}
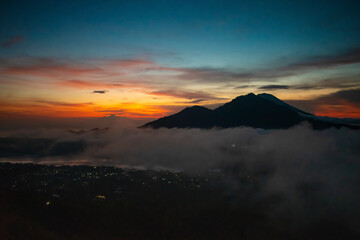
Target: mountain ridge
{"points": [[258, 111]]}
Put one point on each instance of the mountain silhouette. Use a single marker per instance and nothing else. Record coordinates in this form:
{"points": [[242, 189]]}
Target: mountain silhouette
{"points": [[257, 111], [278, 101]]}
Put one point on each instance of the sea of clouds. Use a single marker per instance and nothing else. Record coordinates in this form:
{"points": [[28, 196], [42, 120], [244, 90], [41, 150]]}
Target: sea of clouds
{"points": [[315, 173]]}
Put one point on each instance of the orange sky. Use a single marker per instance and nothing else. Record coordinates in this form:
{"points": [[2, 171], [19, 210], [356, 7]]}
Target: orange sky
{"points": [[139, 88]]}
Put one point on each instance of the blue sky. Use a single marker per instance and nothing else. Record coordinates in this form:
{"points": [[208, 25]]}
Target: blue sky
{"points": [[201, 33]]}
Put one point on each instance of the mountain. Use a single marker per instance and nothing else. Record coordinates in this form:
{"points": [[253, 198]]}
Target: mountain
{"points": [[191, 117], [257, 111], [278, 101]]}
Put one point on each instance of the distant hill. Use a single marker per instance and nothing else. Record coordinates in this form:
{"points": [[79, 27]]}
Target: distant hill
{"points": [[257, 111]]}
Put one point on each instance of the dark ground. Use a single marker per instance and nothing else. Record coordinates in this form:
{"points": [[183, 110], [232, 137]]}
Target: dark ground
{"points": [[83, 202]]}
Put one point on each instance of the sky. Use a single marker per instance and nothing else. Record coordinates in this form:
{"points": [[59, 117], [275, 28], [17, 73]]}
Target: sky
{"points": [[149, 59]]}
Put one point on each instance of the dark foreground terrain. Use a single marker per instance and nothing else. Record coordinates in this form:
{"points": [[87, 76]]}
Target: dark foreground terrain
{"points": [[84, 202]]}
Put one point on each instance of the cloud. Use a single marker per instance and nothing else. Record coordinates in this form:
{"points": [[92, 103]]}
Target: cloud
{"points": [[12, 41], [207, 74], [213, 75], [63, 104], [348, 56], [184, 85], [112, 110], [196, 101], [147, 111], [100, 91], [244, 86], [340, 82], [114, 73], [130, 72], [144, 72], [198, 149], [343, 103], [130, 63], [33, 108], [274, 87], [51, 70], [80, 84], [298, 174], [183, 94], [351, 95], [328, 83]]}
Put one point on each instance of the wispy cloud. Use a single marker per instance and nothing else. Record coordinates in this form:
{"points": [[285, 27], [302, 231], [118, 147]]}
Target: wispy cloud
{"points": [[183, 94], [196, 101], [244, 86], [12, 41], [51, 70], [348, 56], [83, 84], [343, 103], [146, 71], [145, 112], [351, 96], [330, 83], [119, 111], [274, 87], [33, 107], [100, 91], [185, 85], [63, 104]]}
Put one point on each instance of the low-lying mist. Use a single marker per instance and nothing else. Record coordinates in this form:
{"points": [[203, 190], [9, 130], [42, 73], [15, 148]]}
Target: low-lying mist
{"points": [[289, 151], [311, 175]]}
